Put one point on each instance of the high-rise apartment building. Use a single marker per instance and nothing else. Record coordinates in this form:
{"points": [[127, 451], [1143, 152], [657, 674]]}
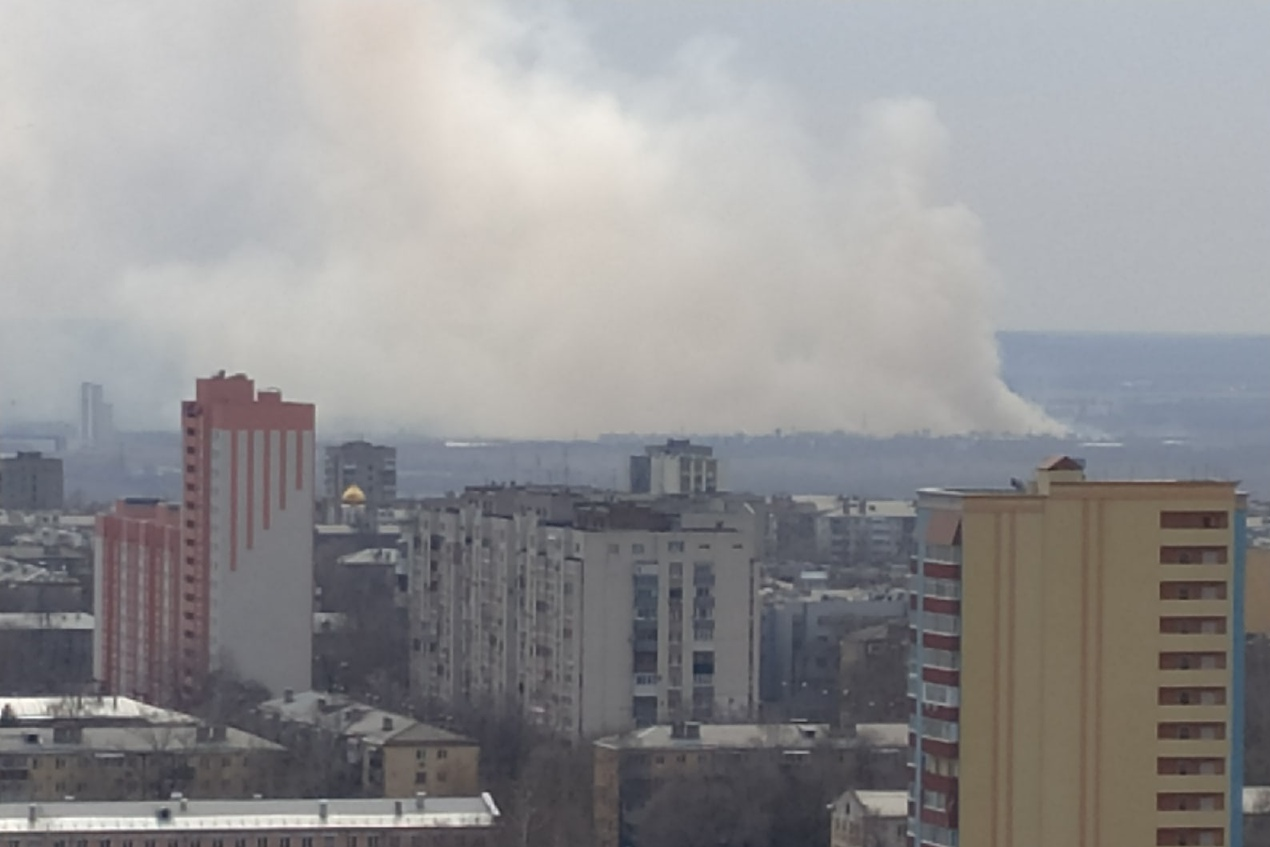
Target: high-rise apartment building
{"points": [[676, 467], [1078, 663], [371, 467], [588, 614], [240, 596]]}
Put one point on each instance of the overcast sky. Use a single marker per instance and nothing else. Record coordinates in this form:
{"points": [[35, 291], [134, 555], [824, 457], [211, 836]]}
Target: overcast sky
{"points": [[1117, 153], [730, 215]]}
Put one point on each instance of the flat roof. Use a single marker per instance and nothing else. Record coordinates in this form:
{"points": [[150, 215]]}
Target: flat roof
{"points": [[129, 739], [250, 814], [748, 735], [47, 620], [30, 710]]}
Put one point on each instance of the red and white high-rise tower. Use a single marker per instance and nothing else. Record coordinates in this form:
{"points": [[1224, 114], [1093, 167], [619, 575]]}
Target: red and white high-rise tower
{"points": [[239, 596]]}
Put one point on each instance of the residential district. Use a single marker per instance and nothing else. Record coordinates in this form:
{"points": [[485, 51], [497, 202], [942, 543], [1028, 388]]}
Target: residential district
{"points": [[293, 655]]}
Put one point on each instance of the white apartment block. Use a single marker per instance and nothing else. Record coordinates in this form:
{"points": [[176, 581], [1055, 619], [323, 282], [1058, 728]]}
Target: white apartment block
{"points": [[590, 617]]}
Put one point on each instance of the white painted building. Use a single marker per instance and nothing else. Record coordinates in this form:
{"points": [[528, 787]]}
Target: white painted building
{"points": [[869, 819]]}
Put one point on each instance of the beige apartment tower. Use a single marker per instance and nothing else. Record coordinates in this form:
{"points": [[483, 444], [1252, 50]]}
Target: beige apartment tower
{"points": [[1077, 663]]}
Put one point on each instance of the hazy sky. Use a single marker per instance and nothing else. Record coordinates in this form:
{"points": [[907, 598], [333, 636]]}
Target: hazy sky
{"points": [[1118, 154], [534, 220]]}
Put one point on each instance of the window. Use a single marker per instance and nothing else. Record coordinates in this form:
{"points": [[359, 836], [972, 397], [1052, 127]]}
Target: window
{"points": [[443, 753], [421, 778], [637, 549]]}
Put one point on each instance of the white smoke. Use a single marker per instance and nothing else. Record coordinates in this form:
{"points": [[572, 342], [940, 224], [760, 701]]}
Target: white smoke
{"points": [[454, 219]]}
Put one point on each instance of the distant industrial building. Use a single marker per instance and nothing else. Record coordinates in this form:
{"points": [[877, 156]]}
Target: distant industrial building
{"points": [[585, 612], [419, 821], [31, 482], [676, 467], [1078, 662], [630, 768], [370, 468], [369, 751], [224, 581]]}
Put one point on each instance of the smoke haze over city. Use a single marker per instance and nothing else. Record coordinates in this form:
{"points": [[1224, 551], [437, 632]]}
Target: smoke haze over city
{"points": [[463, 221]]}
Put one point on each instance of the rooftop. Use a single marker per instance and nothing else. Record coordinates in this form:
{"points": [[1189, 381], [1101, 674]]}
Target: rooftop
{"points": [[82, 621], [129, 739], [250, 815], [36, 710], [884, 804], [775, 736], [341, 715]]}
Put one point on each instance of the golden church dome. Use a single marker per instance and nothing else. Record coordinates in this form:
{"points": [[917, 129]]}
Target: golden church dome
{"points": [[354, 496]]}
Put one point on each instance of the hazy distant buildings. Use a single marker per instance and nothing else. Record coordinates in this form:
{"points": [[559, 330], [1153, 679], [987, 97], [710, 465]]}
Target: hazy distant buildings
{"points": [[31, 482], [96, 416], [676, 467], [585, 613], [370, 467], [1078, 663], [236, 592]]}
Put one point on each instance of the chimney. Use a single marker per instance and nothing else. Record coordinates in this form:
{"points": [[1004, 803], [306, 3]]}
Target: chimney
{"points": [[185, 804], [387, 723], [202, 734], [692, 731], [31, 813], [323, 809], [420, 800], [677, 730], [397, 809], [288, 695]]}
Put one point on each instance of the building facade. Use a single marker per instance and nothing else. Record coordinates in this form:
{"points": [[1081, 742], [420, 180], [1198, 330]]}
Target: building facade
{"points": [[116, 748], [676, 467], [420, 821], [46, 652], [31, 482], [370, 467], [1077, 665], [137, 574], [869, 819], [240, 597], [589, 615]]}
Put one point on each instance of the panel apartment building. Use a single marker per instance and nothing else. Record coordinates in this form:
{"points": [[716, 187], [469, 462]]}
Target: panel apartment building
{"points": [[1078, 663], [589, 614], [224, 581]]}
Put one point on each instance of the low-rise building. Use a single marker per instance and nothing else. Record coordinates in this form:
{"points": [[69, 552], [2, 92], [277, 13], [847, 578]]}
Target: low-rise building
{"points": [[133, 762], [630, 768], [340, 742], [46, 652], [869, 819], [422, 821]]}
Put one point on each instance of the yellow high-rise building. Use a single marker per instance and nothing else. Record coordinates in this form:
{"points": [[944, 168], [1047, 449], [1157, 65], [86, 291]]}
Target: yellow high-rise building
{"points": [[1077, 667]]}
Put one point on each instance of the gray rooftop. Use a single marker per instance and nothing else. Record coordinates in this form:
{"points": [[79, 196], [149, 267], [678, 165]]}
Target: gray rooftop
{"points": [[341, 715], [129, 739], [776, 736], [46, 620], [229, 815]]}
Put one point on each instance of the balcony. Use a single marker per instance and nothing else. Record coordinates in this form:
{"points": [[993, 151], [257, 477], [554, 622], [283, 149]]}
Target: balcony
{"points": [[703, 679]]}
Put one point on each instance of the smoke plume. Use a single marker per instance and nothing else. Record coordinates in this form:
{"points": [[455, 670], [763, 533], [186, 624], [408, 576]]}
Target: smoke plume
{"points": [[451, 218]]}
